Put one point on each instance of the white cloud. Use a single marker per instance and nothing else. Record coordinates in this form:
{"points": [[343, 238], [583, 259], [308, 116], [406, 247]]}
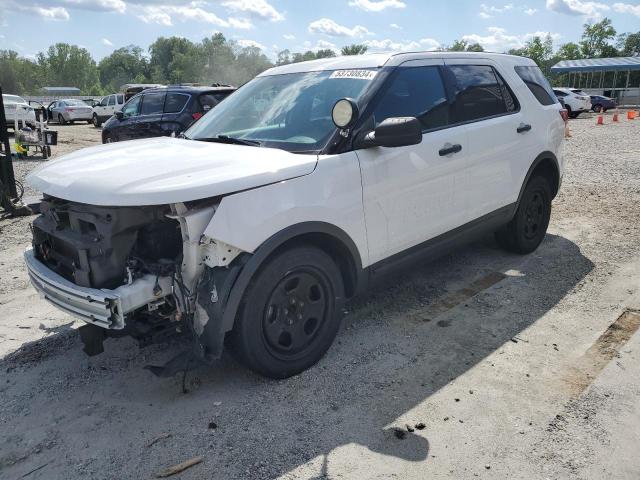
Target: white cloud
{"points": [[164, 15], [251, 43], [288, 36], [333, 29], [118, 6], [498, 40], [627, 8], [487, 11], [376, 5], [107, 42], [577, 8], [240, 23], [257, 8], [387, 45], [530, 11], [395, 26], [48, 13]]}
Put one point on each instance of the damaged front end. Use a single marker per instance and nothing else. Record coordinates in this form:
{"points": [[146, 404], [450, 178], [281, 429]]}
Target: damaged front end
{"points": [[148, 272]]}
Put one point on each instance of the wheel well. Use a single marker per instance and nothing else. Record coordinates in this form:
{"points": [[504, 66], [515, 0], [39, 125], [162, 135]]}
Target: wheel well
{"points": [[336, 249], [548, 169]]}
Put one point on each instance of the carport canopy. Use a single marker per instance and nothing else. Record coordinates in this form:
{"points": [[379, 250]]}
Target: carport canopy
{"points": [[597, 65]]}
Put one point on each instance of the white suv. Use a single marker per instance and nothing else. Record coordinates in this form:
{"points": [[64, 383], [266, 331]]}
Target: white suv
{"points": [[107, 107], [575, 101], [295, 193]]}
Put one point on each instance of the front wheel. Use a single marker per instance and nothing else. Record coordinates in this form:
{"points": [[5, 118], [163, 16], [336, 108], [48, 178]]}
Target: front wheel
{"points": [[96, 121], [597, 108], [290, 313], [61, 119], [524, 233]]}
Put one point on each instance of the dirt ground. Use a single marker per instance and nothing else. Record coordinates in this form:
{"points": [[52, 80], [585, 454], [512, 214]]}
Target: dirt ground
{"points": [[481, 364]]}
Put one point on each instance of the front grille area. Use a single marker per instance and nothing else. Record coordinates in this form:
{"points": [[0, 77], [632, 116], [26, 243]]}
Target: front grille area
{"points": [[90, 245]]}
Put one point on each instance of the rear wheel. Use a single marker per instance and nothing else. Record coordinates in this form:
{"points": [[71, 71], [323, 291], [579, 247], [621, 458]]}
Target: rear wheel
{"points": [[109, 139], [524, 233], [96, 121], [597, 108], [290, 313], [61, 119]]}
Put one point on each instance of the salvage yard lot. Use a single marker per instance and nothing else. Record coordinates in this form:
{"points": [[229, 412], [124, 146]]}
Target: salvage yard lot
{"points": [[510, 363]]}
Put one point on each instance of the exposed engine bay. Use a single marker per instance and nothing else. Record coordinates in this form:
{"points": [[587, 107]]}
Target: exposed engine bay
{"points": [[135, 271]]}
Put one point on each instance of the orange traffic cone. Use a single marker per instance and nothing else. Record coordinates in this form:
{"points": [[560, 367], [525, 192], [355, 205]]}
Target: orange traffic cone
{"points": [[615, 117], [631, 115], [600, 120]]}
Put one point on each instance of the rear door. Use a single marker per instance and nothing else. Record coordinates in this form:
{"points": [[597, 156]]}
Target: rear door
{"points": [[498, 134], [411, 194], [176, 117], [148, 123]]}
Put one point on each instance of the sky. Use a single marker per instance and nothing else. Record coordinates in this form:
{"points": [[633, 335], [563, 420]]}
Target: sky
{"points": [[100, 26]]}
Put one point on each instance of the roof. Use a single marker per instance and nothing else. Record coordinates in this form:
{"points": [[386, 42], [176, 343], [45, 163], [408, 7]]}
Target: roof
{"points": [[597, 65], [375, 60], [189, 88], [60, 89]]}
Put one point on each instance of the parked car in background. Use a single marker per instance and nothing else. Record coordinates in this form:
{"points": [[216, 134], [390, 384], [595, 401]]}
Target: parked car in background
{"points": [[15, 105], [69, 110], [162, 111], [295, 193], [600, 103], [105, 109], [575, 100]]}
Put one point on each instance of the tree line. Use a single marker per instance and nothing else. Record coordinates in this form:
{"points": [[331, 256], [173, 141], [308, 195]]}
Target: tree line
{"points": [[217, 59]]}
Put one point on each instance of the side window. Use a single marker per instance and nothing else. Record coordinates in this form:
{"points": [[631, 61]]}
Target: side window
{"points": [[132, 107], [210, 100], [559, 93], [415, 92], [152, 103], [477, 93], [112, 100], [120, 99], [175, 102], [537, 83]]}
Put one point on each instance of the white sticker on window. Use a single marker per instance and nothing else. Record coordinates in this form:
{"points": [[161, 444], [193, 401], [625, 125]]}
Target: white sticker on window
{"points": [[361, 74]]}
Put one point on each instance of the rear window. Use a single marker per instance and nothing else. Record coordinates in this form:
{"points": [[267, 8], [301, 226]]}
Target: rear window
{"points": [[175, 102], [479, 93], [538, 84], [210, 100], [120, 98], [152, 103], [75, 103]]}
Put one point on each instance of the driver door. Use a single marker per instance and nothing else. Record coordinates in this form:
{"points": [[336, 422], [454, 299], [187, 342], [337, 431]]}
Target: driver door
{"points": [[413, 193]]}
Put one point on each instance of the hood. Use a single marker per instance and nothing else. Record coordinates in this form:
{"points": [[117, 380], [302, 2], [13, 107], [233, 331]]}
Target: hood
{"points": [[164, 170]]}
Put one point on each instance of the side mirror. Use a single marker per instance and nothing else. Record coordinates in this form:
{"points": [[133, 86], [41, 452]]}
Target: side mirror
{"points": [[393, 132], [118, 114], [345, 113]]}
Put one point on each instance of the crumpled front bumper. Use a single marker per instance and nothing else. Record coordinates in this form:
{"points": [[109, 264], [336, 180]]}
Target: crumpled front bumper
{"points": [[101, 307]]}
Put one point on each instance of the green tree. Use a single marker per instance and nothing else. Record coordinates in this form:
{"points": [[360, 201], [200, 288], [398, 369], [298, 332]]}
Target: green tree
{"points": [[629, 44], [569, 51], [464, 46], [65, 65], [325, 53], [354, 49], [284, 57], [18, 75], [218, 57], [174, 60], [124, 65], [596, 39]]}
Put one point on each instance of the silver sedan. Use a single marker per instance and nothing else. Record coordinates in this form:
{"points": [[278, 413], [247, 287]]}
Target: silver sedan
{"points": [[69, 110]]}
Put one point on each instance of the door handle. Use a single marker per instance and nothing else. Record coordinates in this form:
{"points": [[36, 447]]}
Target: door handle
{"points": [[523, 127], [448, 149]]}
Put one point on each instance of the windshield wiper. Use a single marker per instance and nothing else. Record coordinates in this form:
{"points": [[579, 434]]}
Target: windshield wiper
{"points": [[232, 140]]}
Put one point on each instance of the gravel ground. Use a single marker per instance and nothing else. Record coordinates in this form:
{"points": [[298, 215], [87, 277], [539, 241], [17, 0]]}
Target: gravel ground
{"points": [[481, 364]]}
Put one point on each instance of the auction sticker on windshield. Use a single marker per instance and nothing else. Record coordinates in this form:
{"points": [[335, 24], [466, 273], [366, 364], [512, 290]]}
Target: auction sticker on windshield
{"points": [[361, 74]]}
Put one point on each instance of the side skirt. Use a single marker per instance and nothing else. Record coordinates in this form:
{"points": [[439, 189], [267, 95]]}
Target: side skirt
{"points": [[442, 244]]}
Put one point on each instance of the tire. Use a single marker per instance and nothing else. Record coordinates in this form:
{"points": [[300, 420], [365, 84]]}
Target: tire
{"points": [[45, 152], [597, 108], [109, 139], [96, 121], [89, 122], [290, 313], [48, 149], [526, 230], [61, 119]]}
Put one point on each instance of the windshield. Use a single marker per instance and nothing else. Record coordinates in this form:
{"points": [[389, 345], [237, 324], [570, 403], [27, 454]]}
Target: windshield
{"points": [[291, 112], [13, 99]]}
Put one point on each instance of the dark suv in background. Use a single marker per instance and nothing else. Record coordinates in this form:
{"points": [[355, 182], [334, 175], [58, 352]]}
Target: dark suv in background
{"points": [[161, 111]]}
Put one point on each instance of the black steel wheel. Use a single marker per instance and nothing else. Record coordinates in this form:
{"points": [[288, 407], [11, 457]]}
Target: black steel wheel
{"points": [[524, 233], [290, 313]]}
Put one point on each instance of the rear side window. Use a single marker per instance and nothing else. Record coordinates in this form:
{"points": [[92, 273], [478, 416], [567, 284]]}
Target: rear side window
{"points": [[112, 100], [152, 103], [210, 100], [560, 93], [537, 83], [478, 93], [120, 99], [415, 92], [175, 102]]}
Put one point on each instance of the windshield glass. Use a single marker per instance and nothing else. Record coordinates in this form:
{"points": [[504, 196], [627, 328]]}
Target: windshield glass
{"points": [[291, 111], [13, 99]]}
